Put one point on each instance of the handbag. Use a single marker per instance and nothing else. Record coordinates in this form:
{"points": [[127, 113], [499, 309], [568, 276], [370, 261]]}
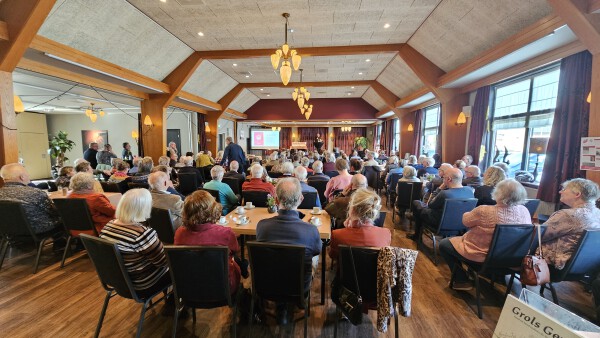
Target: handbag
{"points": [[350, 302], [534, 269]]}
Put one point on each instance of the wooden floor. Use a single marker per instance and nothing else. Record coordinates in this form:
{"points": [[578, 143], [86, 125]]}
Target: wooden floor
{"points": [[67, 302]]}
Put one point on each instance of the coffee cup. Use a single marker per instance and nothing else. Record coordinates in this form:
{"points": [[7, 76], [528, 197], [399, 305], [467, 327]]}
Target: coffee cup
{"points": [[222, 220], [315, 220], [240, 210], [316, 210], [64, 191], [243, 219], [248, 204]]}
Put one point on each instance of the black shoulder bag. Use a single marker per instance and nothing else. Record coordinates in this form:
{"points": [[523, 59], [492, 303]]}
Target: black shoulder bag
{"points": [[350, 302]]}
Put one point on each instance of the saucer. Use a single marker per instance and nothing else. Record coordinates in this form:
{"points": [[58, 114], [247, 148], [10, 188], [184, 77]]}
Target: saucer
{"points": [[226, 222], [247, 207], [240, 223], [240, 213], [316, 213]]}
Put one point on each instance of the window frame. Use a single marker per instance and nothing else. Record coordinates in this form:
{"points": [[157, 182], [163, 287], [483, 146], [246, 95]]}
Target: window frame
{"points": [[438, 107]]}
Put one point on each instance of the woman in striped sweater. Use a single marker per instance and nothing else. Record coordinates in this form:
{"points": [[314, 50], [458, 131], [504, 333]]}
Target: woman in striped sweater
{"points": [[139, 244]]}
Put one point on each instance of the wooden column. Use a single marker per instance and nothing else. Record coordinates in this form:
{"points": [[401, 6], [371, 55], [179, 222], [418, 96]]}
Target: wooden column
{"points": [[407, 143], [453, 137], [211, 136], [594, 124], [9, 151], [154, 137]]}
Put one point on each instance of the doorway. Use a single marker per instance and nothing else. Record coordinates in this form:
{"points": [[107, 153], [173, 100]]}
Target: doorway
{"points": [[174, 135]]}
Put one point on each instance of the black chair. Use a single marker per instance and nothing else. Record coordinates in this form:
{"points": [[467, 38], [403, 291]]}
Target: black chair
{"points": [[278, 275], [390, 190], [406, 192], [275, 174], [365, 265], [14, 225], [133, 185], [320, 186], [331, 174], [309, 201], [234, 184], [76, 217], [113, 275], [532, 205], [258, 198], [510, 243], [110, 187], [451, 223], [372, 174], [584, 262], [188, 183], [381, 219], [268, 168], [213, 193], [52, 186], [162, 222], [200, 278]]}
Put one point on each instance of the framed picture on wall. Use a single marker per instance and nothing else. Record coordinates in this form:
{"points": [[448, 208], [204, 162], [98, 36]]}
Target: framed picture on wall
{"points": [[98, 136]]}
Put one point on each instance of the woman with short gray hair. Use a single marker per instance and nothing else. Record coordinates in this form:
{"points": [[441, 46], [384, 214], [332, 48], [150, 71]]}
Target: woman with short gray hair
{"points": [[473, 246], [565, 227], [99, 206]]}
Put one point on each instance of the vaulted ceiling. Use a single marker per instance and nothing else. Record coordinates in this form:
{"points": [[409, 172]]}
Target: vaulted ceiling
{"points": [[152, 37]]}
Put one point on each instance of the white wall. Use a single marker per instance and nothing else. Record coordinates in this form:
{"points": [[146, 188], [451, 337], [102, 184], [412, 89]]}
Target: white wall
{"points": [[226, 127], [187, 123]]}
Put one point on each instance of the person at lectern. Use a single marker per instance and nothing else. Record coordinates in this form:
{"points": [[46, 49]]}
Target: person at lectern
{"points": [[318, 143]]}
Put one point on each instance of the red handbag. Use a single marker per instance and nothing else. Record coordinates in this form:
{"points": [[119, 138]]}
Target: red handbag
{"points": [[534, 269]]}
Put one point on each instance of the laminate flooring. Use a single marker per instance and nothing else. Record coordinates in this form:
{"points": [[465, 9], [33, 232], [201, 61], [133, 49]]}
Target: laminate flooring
{"points": [[66, 302]]}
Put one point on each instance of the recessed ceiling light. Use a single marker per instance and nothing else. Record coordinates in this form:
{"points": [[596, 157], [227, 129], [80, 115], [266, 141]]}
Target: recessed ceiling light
{"points": [[368, 60], [235, 64], [349, 94], [163, 0], [352, 87], [360, 73], [387, 25], [247, 76], [261, 89], [200, 33], [268, 94]]}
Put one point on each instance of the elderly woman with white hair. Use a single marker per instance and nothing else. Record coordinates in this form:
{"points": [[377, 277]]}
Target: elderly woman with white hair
{"points": [[565, 227], [409, 175], [287, 169], [492, 176], [329, 164], [473, 246], [142, 251], [82, 186], [226, 196]]}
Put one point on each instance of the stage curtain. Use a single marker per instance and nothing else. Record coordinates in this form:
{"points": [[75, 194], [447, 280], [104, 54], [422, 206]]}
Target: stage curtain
{"points": [[308, 135], [571, 121], [285, 138], [345, 139]]}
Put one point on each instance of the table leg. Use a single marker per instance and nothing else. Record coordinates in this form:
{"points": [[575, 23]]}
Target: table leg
{"points": [[323, 269], [242, 245]]}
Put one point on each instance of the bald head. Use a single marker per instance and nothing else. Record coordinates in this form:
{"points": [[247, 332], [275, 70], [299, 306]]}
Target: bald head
{"points": [[289, 193], [234, 166], [444, 167], [158, 181], [358, 181], [300, 173], [14, 172], [453, 177]]}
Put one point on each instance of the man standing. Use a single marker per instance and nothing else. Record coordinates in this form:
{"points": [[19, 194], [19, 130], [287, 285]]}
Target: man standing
{"points": [[90, 154], [126, 152], [161, 198], [234, 152], [105, 156], [318, 143]]}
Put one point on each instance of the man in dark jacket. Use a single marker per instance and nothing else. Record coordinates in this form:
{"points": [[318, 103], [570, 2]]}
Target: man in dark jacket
{"points": [[234, 152], [90, 155]]}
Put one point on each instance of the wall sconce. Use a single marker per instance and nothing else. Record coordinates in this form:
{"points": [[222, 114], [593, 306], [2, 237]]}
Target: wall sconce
{"points": [[19, 107], [331, 135], [206, 127], [135, 135], [293, 135], [589, 98], [148, 123], [410, 127], [462, 117]]}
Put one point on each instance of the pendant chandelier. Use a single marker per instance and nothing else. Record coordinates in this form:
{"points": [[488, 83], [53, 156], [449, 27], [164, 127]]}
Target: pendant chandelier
{"points": [[276, 128], [300, 94], [93, 113], [306, 110], [286, 54]]}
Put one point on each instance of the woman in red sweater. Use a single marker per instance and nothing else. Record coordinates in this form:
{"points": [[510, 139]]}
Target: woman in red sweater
{"points": [[100, 208]]}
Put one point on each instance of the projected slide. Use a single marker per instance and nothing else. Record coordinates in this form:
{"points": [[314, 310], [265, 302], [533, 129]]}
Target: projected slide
{"points": [[264, 139]]}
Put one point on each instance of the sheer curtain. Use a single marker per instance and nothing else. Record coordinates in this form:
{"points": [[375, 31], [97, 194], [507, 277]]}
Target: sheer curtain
{"points": [[308, 135], [345, 139], [571, 121], [478, 118]]}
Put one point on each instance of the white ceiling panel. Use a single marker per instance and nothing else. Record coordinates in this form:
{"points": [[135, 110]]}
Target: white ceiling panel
{"points": [[245, 100], [209, 82], [374, 100], [315, 92], [399, 78]]}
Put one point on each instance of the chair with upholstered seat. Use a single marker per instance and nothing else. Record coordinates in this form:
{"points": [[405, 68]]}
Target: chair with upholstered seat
{"points": [[532, 205], [406, 192], [309, 201], [258, 198], [188, 183], [372, 174], [77, 219], [162, 222], [321, 186], [213, 193], [390, 190]]}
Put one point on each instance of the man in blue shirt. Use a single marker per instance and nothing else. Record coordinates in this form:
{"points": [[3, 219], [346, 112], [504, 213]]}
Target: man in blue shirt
{"points": [[226, 196], [300, 173], [234, 152]]}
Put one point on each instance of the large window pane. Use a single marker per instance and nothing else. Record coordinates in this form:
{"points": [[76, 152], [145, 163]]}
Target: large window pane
{"points": [[545, 90], [510, 141], [512, 99], [430, 129]]}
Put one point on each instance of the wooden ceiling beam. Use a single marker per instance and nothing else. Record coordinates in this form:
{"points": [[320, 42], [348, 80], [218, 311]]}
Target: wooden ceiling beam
{"points": [[412, 96], [199, 100], [585, 26], [23, 19], [4, 31], [46, 69], [308, 84], [534, 32], [386, 95], [65, 52], [236, 113], [303, 52], [226, 100], [189, 107], [178, 78]]}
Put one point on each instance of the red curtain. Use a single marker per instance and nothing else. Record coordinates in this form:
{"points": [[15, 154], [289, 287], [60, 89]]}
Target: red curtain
{"points": [[418, 131], [571, 121], [201, 132], [345, 139], [140, 138], [308, 135], [387, 135], [285, 138], [478, 118], [377, 138]]}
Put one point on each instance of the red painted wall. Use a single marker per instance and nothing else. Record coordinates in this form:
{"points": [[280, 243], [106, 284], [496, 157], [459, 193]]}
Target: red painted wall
{"points": [[323, 109]]}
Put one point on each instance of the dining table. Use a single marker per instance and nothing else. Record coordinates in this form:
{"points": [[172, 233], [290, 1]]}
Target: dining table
{"points": [[256, 214], [113, 197]]}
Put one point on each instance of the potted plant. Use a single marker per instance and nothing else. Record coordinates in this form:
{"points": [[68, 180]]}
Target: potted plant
{"points": [[361, 142], [271, 206], [59, 145]]}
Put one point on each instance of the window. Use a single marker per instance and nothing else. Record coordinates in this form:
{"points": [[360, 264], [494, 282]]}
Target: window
{"points": [[522, 115], [396, 140], [431, 122], [378, 131]]}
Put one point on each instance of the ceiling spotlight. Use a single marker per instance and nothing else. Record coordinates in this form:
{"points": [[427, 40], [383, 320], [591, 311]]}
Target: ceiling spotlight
{"points": [[352, 87], [387, 25], [163, 0], [349, 94], [360, 73], [247, 76], [268, 94], [261, 89], [235, 64], [200, 33], [368, 60]]}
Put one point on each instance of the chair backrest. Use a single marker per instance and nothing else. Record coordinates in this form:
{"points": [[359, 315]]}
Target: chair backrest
{"points": [[394, 182], [52, 186], [233, 183], [14, 222], [510, 243], [110, 187], [372, 176], [188, 183], [258, 198], [268, 167], [381, 219], [331, 174], [133, 185], [213, 193], [277, 271], [274, 174], [109, 265], [365, 265], [161, 221], [200, 275], [585, 260], [532, 205], [320, 186], [75, 214], [454, 208], [309, 201], [408, 192]]}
